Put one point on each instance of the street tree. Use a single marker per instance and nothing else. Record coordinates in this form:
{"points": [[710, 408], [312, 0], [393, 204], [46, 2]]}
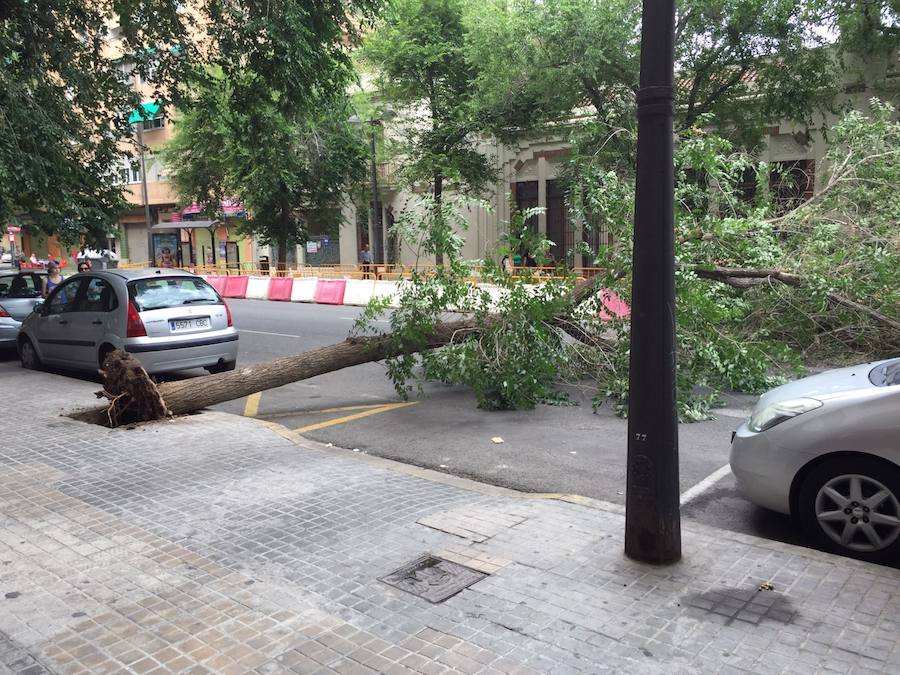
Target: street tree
{"points": [[417, 50], [64, 103], [288, 166], [64, 108]]}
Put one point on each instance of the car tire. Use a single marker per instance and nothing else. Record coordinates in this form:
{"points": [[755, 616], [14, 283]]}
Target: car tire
{"points": [[28, 355], [223, 367], [851, 505]]}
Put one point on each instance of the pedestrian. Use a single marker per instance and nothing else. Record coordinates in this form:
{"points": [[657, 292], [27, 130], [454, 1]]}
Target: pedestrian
{"points": [[52, 280], [366, 261], [506, 264], [84, 265]]}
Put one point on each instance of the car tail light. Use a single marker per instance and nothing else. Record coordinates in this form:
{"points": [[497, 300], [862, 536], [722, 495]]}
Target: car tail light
{"points": [[135, 325], [228, 314], [5, 315]]}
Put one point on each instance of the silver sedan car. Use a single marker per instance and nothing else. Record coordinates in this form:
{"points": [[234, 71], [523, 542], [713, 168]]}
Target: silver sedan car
{"points": [[826, 449], [169, 320], [19, 293]]}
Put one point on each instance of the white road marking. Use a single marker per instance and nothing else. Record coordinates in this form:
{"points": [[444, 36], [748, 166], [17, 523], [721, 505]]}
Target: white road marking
{"points": [[262, 332], [692, 493], [740, 413]]}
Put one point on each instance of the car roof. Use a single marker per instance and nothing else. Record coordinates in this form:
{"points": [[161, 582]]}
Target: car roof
{"points": [[144, 273]]}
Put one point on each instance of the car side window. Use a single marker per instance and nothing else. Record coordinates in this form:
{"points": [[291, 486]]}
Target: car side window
{"points": [[98, 296], [63, 297]]}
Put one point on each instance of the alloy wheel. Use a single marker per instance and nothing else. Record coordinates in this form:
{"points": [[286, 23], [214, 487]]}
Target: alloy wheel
{"points": [[858, 512]]}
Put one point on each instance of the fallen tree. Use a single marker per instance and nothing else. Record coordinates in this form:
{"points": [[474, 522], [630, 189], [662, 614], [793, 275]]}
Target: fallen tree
{"points": [[134, 397]]}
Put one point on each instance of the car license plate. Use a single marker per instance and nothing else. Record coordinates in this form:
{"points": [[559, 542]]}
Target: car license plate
{"points": [[183, 325]]}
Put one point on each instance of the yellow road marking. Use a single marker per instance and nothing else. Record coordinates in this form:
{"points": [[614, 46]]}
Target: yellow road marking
{"points": [[346, 408], [252, 405], [357, 416]]}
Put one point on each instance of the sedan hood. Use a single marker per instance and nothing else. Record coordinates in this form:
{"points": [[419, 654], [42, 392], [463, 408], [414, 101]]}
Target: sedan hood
{"points": [[825, 385]]}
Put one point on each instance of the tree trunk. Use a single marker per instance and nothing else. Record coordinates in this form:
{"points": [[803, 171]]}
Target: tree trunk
{"points": [[282, 243], [438, 195]]}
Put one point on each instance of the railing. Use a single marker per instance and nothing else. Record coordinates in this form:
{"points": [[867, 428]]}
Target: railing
{"points": [[390, 272]]}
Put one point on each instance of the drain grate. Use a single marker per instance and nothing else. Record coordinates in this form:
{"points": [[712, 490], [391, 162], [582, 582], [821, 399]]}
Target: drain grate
{"points": [[432, 578]]}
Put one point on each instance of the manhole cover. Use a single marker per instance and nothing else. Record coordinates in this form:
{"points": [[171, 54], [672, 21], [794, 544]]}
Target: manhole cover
{"points": [[434, 579]]}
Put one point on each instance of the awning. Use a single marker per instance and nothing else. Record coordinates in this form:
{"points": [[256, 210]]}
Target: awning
{"points": [[147, 111], [229, 207], [186, 225]]}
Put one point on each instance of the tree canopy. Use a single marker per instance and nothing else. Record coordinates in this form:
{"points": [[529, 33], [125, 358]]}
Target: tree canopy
{"points": [[418, 52], [286, 166], [64, 103], [740, 63]]}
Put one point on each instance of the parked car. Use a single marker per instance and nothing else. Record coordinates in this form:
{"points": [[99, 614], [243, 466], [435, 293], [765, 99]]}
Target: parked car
{"points": [[169, 320], [19, 293], [826, 449], [6, 257]]}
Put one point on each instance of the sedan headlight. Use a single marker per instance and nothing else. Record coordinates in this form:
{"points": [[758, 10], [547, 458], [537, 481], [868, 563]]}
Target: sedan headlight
{"points": [[776, 413]]}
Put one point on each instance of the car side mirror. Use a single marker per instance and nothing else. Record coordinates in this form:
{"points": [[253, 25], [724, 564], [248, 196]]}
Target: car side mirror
{"points": [[38, 307]]}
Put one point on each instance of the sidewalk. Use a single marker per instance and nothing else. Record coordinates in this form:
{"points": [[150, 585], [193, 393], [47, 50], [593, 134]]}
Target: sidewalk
{"points": [[216, 543]]}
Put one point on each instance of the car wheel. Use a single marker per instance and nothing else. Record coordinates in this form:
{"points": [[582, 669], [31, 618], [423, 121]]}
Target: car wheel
{"points": [[223, 367], [852, 505], [28, 355]]}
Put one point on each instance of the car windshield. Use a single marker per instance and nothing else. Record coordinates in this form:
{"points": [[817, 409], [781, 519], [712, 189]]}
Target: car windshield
{"points": [[160, 293], [886, 375]]}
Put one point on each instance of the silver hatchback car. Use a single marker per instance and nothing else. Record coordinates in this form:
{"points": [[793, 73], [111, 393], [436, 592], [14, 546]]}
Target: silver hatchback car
{"points": [[169, 320]]}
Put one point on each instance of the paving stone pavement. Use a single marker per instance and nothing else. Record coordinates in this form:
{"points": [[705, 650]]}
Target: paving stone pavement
{"points": [[219, 544]]}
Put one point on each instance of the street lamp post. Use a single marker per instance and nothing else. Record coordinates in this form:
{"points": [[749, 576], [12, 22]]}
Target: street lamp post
{"points": [[653, 519], [377, 232], [144, 196]]}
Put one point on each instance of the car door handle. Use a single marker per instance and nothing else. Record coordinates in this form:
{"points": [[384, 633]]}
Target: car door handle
{"points": [[97, 323], [63, 321]]}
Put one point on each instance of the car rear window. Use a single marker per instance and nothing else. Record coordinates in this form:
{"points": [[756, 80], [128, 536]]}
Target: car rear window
{"points": [[166, 292], [20, 286], [886, 375]]}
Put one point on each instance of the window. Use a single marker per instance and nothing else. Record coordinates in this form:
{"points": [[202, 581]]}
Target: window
{"points": [[62, 299], [161, 293], [98, 296], [792, 183], [149, 73], [157, 122], [20, 286], [135, 169], [126, 72]]}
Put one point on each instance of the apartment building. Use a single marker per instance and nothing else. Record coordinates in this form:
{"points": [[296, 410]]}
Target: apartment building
{"points": [[175, 236]]}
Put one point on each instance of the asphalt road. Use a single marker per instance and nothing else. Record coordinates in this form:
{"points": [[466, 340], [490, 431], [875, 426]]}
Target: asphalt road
{"points": [[551, 449]]}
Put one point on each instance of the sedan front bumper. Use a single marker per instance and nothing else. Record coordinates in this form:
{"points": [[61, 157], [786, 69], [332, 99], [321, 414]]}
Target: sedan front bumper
{"points": [[761, 471]]}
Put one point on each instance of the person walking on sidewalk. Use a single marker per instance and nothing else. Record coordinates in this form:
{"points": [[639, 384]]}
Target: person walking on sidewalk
{"points": [[366, 261]]}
